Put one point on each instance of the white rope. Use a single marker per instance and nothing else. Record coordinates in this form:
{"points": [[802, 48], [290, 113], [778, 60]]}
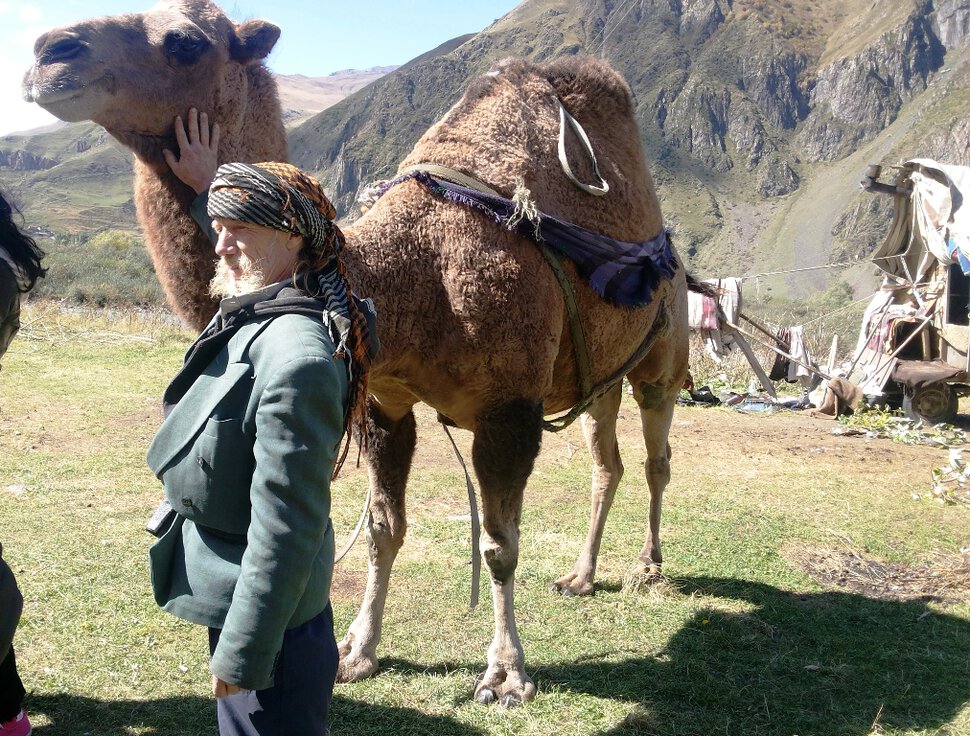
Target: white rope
{"points": [[564, 119], [839, 264], [836, 311], [476, 560], [616, 24], [525, 208], [360, 525]]}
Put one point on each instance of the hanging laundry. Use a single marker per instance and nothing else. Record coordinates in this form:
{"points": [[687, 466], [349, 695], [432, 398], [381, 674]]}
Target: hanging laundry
{"points": [[705, 314], [701, 311]]}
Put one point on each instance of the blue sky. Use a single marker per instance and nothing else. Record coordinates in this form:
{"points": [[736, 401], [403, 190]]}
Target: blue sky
{"points": [[319, 36]]}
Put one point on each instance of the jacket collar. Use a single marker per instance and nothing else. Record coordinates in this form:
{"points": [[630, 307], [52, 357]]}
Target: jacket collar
{"points": [[234, 303]]}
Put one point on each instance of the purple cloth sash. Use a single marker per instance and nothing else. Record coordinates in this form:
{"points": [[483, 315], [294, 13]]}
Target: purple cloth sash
{"points": [[624, 274]]}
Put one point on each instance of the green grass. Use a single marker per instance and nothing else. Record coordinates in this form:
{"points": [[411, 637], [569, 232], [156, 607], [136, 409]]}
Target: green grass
{"points": [[740, 640]]}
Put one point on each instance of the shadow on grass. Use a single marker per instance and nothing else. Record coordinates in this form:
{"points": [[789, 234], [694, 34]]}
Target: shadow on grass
{"points": [[827, 664], [71, 715], [75, 715]]}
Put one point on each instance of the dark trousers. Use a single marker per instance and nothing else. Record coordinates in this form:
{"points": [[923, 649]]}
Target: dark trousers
{"points": [[298, 702], [11, 688]]}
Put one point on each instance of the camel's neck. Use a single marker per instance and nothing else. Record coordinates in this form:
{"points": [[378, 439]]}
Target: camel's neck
{"points": [[260, 135], [181, 253]]}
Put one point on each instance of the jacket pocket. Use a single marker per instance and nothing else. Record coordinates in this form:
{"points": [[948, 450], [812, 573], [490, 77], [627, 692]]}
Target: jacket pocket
{"points": [[210, 483]]}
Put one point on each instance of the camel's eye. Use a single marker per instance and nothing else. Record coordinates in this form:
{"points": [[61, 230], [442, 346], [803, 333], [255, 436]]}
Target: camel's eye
{"points": [[184, 46]]}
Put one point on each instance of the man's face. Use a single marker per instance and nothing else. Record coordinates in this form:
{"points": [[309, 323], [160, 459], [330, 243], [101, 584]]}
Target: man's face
{"points": [[251, 257]]}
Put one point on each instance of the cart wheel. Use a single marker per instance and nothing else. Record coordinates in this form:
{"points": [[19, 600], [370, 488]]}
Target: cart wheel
{"points": [[931, 404]]}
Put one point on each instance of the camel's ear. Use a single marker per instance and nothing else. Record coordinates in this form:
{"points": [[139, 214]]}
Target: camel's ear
{"points": [[254, 40]]}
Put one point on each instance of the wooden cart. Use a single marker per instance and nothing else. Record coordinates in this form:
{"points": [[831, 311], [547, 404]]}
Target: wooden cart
{"points": [[915, 337]]}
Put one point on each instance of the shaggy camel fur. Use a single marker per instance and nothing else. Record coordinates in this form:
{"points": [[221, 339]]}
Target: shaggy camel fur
{"points": [[471, 319]]}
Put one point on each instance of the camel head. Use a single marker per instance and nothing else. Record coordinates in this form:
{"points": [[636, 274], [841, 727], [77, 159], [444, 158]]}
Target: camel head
{"points": [[134, 73]]}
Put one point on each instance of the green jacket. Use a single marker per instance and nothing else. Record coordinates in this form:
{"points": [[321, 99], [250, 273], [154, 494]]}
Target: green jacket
{"points": [[245, 458]]}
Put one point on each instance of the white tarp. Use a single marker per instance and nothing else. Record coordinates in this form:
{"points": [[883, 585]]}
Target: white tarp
{"points": [[933, 224]]}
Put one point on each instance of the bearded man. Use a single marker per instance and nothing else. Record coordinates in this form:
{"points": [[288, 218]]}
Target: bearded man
{"points": [[250, 443]]}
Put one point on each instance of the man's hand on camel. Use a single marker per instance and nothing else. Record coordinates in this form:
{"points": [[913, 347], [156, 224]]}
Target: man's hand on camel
{"points": [[198, 156]]}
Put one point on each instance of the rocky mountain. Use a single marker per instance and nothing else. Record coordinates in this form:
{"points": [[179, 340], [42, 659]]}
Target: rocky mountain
{"points": [[758, 118]]}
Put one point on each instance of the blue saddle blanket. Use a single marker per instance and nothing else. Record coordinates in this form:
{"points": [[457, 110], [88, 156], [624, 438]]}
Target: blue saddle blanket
{"points": [[625, 274]]}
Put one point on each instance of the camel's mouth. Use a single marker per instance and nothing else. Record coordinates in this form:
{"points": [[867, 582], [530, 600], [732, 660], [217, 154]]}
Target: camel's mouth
{"points": [[63, 91], [66, 95], [44, 97]]}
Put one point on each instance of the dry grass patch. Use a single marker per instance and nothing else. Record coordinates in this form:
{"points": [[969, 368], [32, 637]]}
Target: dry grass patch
{"points": [[943, 579]]}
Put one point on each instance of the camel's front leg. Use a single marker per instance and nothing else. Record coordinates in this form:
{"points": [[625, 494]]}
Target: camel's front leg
{"points": [[390, 448], [599, 429], [504, 449]]}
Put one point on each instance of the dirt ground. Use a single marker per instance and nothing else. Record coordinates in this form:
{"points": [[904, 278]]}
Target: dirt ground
{"points": [[790, 460], [875, 464], [799, 436]]}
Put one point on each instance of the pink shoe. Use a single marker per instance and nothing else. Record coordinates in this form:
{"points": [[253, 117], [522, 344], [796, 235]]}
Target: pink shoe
{"points": [[19, 725]]}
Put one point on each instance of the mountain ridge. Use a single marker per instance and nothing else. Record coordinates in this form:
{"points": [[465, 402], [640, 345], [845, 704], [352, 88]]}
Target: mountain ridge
{"points": [[757, 117]]}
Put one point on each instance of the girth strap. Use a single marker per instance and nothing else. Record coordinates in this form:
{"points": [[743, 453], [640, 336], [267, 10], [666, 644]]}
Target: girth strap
{"points": [[576, 331], [660, 326]]}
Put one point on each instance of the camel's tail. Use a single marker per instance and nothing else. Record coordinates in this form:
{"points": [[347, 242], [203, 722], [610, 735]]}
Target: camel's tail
{"points": [[699, 287]]}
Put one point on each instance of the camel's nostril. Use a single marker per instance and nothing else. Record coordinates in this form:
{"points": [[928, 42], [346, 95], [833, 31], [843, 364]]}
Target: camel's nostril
{"points": [[63, 49]]}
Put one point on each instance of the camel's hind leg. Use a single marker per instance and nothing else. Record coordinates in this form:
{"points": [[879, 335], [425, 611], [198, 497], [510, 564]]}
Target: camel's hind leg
{"points": [[506, 443], [389, 453], [656, 415], [599, 429]]}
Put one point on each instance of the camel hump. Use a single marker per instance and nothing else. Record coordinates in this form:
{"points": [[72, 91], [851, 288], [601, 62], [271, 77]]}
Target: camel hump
{"points": [[579, 81]]}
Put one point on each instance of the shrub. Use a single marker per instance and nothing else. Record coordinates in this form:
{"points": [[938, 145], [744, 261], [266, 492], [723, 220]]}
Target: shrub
{"points": [[111, 268]]}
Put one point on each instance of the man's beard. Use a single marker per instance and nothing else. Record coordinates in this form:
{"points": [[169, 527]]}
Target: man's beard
{"points": [[226, 284]]}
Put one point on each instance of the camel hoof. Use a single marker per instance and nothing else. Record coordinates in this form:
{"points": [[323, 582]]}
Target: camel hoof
{"points": [[353, 665], [354, 671], [643, 577], [508, 689], [487, 696], [572, 585]]}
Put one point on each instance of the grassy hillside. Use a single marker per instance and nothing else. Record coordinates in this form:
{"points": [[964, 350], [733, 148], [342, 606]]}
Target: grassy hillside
{"points": [[87, 189]]}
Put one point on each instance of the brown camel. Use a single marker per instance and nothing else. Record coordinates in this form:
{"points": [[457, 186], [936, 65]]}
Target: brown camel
{"points": [[472, 320]]}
